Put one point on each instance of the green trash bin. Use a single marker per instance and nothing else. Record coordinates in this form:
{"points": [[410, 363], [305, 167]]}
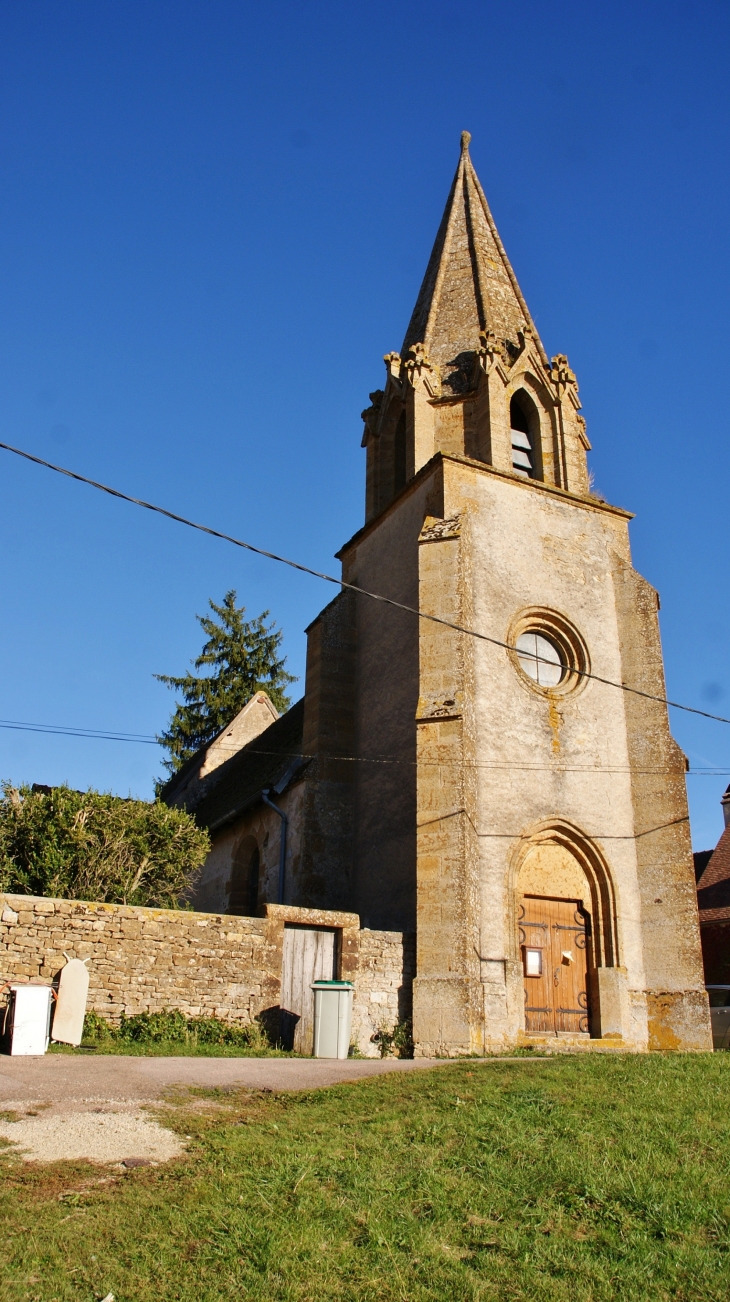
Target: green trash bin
{"points": [[332, 1018]]}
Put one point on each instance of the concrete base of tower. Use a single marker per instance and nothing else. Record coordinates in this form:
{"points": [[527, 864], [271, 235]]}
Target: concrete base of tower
{"points": [[679, 1020], [456, 1017], [613, 1015], [447, 1017], [503, 1001]]}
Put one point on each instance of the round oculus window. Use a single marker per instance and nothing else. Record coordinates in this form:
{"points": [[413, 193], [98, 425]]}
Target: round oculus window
{"points": [[548, 651], [540, 659]]}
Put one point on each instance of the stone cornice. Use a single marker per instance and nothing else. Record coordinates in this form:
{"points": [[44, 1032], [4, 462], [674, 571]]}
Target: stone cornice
{"points": [[526, 485]]}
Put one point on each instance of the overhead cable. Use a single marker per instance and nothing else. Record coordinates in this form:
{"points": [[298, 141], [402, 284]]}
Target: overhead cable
{"points": [[91, 734], [340, 583], [97, 734]]}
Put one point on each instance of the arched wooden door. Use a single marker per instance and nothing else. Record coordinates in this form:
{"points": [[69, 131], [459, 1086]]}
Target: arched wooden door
{"points": [[553, 942]]}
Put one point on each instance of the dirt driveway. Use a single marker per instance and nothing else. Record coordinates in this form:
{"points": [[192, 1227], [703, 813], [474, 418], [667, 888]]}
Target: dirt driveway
{"points": [[63, 1107], [93, 1078]]}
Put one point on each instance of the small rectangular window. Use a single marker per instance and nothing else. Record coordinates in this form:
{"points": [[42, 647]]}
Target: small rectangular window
{"points": [[533, 962]]}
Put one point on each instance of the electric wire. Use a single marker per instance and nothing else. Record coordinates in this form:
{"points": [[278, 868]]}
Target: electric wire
{"points": [[90, 734], [341, 583], [100, 734], [488, 764]]}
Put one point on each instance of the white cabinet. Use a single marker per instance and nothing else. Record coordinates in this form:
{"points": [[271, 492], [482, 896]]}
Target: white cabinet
{"points": [[29, 1019]]}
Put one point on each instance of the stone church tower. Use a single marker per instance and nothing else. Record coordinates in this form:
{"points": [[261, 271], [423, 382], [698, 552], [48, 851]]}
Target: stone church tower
{"points": [[499, 795], [527, 821]]}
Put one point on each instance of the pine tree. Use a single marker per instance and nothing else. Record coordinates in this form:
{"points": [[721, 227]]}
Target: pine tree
{"points": [[244, 655]]}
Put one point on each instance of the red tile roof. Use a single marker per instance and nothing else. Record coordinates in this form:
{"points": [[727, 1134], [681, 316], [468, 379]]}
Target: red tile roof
{"points": [[713, 888]]}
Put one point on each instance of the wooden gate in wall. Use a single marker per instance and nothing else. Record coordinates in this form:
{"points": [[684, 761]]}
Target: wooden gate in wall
{"points": [[553, 939], [309, 954]]}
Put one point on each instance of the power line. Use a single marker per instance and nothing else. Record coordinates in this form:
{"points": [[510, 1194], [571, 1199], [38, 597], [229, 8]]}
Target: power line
{"points": [[91, 734], [340, 583], [98, 734], [491, 765]]}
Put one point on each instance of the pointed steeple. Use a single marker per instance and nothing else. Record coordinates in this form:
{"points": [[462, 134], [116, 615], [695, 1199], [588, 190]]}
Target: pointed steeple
{"points": [[469, 284]]}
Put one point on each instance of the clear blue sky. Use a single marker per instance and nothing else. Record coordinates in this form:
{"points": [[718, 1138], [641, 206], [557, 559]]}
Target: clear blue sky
{"points": [[214, 219]]}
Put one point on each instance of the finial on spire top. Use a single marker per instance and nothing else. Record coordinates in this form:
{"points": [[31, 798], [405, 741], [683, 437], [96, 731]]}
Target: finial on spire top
{"points": [[465, 138]]}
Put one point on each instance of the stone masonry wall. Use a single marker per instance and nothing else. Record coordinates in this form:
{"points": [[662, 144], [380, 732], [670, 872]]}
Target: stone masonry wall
{"points": [[144, 960], [148, 960], [383, 986]]}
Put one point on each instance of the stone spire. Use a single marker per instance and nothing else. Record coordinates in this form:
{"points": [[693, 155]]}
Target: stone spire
{"points": [[469, 284]]}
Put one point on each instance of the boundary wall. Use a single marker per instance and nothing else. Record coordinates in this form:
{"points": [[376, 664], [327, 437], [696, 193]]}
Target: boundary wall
{"points": [[204, 964]]}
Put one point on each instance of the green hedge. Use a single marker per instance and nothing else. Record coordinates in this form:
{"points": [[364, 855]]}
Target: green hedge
{"points": [[173, 1027], [82, 845]]}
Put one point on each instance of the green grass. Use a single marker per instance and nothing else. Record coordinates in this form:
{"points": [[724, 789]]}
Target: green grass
{"points": [[569, 1178]]}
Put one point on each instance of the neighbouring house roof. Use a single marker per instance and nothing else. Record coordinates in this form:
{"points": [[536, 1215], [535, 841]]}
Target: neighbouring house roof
{"points": [[713, 888], [270, 761], [255, 716]]}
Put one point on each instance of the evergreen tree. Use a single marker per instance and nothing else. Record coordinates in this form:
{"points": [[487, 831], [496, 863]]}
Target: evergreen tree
{"points": [[243, 654]]}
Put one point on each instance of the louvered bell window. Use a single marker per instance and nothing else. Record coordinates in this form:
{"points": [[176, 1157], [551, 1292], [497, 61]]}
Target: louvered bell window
{"points": [[521, 453]]}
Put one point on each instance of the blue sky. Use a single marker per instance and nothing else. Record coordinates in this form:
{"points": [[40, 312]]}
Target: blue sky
{"points": [[214, 219]]}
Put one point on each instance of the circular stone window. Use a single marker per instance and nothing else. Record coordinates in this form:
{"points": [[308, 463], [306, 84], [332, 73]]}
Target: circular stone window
{"points": [[540, 659], [548, 651]]}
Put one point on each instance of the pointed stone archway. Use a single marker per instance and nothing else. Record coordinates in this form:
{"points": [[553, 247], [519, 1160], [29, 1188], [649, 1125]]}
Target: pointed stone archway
{"points": [[559, 873]]}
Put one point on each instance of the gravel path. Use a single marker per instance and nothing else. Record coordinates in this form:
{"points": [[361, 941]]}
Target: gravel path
{"points": [[81, 1079], [63, 1107], [107, 1135]]}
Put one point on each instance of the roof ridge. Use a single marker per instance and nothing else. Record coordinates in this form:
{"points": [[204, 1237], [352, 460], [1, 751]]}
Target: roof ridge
{"points": [[505, 259]]}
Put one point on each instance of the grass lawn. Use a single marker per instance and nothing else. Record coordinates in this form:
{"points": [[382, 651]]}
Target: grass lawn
{"points": [[563, 1178]]}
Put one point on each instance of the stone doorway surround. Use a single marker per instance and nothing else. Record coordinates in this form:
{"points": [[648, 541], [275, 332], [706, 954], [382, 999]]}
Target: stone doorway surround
{"points": [[556, 860]]}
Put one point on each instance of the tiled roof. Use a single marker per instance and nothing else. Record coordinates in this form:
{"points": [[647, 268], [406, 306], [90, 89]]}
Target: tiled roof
{"points": [[701, 858], [233, 787], [713, 888]]}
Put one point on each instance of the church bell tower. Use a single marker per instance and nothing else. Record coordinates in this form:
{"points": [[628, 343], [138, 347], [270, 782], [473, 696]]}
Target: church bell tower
{"points": [[511, 803]]}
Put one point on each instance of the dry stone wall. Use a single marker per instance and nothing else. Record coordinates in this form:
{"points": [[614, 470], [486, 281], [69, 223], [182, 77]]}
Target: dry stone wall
{"points": [[383, 986], [148, 960], [143, 960]]}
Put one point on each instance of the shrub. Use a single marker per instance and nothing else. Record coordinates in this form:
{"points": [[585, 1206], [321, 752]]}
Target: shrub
{"points": [[403, 1038], [87, 846], [96, 1028], [151, 1028], [173, 1027], [398, 1041]]}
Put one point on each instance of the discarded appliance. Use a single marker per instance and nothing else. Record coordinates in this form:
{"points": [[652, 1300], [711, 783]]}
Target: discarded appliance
{"points": [[28, 1019], [73, 989]]}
